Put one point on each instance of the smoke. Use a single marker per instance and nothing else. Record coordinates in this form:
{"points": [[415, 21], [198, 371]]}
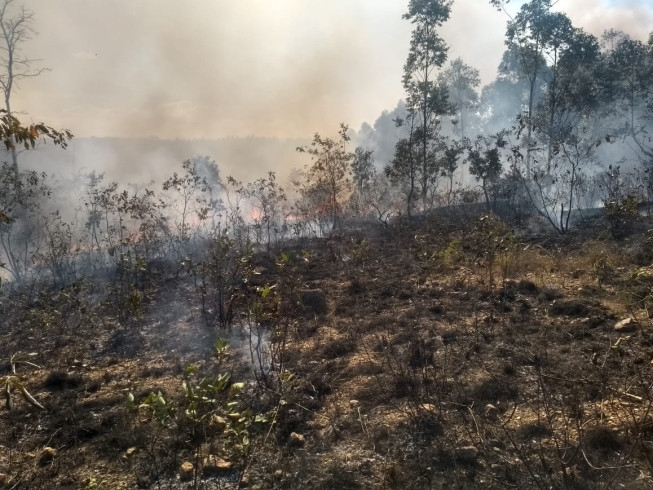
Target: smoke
{"points": [[632, 16]]}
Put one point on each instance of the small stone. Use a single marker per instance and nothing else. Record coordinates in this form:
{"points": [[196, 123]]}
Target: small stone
{"points": [[244, 481], [47, 455], [491, 412], [626, 325], [186, 471], [4, 479], [214, 465], [131, 451], [296, 440], [354, 403], [279, 473], [217, 425], [467, 454], [428, 407]]}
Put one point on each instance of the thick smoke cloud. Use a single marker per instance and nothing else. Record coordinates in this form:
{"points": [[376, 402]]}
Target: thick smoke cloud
{"points": [[219, 68]]}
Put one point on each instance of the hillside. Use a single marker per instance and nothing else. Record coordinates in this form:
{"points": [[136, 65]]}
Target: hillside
{"points": [[454, 354]]}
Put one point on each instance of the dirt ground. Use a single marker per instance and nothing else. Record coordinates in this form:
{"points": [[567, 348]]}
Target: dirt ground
{"points": [[453, 354]]}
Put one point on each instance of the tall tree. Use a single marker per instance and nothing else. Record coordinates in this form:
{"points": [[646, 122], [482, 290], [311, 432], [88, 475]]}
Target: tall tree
{"points": [[461, 80], [364, 172], [628, 69], [572, 92], [535, 33], [403, 168], [425, 96]]}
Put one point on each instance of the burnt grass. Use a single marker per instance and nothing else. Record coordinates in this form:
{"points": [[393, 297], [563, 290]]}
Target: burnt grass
{"points": [[446, 359]]}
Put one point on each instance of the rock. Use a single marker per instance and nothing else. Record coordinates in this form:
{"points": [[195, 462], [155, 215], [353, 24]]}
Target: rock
{"points": [[131, 451], [428, 407], [244, 481], [354, 403], [491, 412], [467, 454], [47, 455], [214, 465], [626, 325], [296, 440], [186, 471], [314, 301], [4, 480], [279, 473], [217, 425]]}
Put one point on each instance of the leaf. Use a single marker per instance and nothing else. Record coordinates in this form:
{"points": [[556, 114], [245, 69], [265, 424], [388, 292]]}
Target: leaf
{"points": [[236, 388], [30, 399], [190, 369]]}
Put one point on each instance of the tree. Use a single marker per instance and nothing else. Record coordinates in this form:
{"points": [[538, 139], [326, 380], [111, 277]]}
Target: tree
{"points": [[425, 96], [267, 198], [503, 99], [20, 193], [190, 189], [362, 168], [403, 170], [364, 172], [16, 28], [329, 174], [535, 34], [450, 162], [628, 70], [484, 158], [461, 80]]}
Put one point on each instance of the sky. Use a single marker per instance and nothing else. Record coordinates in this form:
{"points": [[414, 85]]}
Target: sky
{"points": [[232, 68]]}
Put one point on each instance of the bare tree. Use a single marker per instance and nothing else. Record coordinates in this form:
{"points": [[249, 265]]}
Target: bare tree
{"points": [[16, 26]]}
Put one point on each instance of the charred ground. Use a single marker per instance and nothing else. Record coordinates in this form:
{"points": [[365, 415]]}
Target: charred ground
{"points": [[452, 354]]}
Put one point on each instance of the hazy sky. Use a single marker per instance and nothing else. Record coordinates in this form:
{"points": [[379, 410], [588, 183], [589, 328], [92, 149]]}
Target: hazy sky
{"points": [[215, 68]]}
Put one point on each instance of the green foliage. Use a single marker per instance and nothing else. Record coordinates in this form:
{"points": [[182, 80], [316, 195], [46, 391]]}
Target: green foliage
{"points": [[622, 214], [327, 180], [361, 251], [225, 268], [496, 244], [13, 133], [484, 158], [447, 256], [152, 407]]}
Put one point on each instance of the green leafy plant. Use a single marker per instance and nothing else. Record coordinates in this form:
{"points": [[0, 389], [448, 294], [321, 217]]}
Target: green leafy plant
{"points": [[152, 407]]}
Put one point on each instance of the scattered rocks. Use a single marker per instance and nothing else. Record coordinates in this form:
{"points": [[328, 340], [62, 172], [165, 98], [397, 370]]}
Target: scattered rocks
{"points": [[186, 471], [314, 301], [244, 481], [217, 425], [626, 325], [214, 465], [296, 440], [467, 454], [491, 412], [47, 455]]}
